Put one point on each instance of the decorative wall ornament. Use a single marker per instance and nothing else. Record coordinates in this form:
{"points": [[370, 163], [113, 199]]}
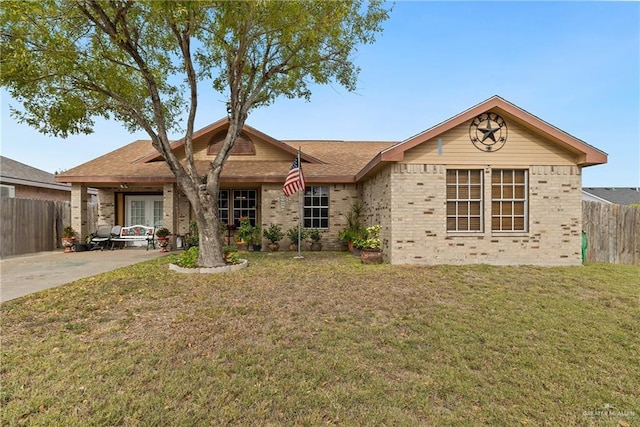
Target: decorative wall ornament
{"points": [[488, 132]]}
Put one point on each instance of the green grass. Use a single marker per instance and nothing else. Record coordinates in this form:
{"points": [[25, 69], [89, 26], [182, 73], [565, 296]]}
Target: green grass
{"points": [[327, 340]]}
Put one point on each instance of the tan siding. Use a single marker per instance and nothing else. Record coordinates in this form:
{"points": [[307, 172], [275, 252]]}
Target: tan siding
{"points": [[523, 147], [264, 151]]}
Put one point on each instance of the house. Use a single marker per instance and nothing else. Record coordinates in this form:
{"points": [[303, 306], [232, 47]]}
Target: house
{"points": [[21, 181], [493, 184], [612, 195]]}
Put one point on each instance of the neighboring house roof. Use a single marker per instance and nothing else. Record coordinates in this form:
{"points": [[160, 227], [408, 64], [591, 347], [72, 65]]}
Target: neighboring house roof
{"points": [[617, 195], [322, 161], [14, 172]]}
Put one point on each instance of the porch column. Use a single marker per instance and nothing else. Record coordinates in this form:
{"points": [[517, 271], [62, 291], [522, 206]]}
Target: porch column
{"points": [[170, 213], [79, 209]]}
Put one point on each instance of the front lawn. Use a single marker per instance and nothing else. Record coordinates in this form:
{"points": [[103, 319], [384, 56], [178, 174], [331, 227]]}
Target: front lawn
{"points": [[327, 340]]}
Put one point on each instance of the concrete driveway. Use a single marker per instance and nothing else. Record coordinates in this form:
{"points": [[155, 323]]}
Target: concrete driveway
{"points": [[25, 274]]}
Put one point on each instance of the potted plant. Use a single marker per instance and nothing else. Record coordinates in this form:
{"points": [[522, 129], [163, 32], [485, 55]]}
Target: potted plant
{"points": [[273, 234], [244, 232], [193, 239], [370, 246], [68, 239], [256, 239], [162, 236], [296, 235], [315, 236], [354, 229], [228, 250]]}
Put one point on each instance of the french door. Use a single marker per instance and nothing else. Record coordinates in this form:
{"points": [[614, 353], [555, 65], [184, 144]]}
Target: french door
{"points": [[143, 210]]}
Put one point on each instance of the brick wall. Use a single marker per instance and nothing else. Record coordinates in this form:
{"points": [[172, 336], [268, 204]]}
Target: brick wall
{"points": [[106, 207], [418, 235], [278, 209], [378, 207], [39, 193]]}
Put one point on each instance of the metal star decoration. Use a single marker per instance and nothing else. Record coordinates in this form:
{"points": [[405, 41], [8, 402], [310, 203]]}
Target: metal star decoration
{"points": [[488, 131]]}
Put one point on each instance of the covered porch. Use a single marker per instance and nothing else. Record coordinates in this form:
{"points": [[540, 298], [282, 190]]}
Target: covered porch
{"points": [[164, 205]]}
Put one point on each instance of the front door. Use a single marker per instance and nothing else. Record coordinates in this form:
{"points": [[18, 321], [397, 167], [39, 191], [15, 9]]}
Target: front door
{"points": [[143, 210]]}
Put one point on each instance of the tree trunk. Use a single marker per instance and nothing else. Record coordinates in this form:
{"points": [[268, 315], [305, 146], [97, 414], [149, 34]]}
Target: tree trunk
{"points": [[210, 245], [205, 207]]}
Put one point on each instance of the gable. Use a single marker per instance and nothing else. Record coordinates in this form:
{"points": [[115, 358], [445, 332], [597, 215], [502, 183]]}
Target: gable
{"points": [[522, 147], [533, 137], [242, 147], [248, 147]]}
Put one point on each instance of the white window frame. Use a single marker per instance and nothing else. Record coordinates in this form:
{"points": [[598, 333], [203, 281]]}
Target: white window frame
{"points": [[511, 201], [460, 200], [313, 216], [152, 219], [8, 191]]}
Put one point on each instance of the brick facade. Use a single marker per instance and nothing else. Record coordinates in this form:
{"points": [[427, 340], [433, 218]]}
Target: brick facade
{"points": [[402, 186], [278, 209], [418, 235], [377, 206], [39, 193]]}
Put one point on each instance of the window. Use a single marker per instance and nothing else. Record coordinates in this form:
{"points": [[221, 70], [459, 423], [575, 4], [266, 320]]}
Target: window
{"points": [[242, 203], [509, 200], [316, 207], [464, 200], [223, 206], [8, 191]]}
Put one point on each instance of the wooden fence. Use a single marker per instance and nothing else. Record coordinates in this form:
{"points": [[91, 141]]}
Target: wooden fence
{"points": [[29, 226], [613, 232]]}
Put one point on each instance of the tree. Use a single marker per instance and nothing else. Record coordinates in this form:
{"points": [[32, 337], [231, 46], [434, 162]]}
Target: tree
{"points": [[143, 63]]}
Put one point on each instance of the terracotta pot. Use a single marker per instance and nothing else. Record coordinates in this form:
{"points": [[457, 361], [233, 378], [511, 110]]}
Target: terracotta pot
{"points": [[370, 256], [273, 247], [68, 243], [316, 246], [163, 242]]}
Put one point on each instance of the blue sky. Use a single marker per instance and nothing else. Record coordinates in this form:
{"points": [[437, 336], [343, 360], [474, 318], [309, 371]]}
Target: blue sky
{"points": [[575, 65]]}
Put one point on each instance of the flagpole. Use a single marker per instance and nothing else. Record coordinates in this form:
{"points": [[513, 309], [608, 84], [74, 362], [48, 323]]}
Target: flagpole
{"points": [[299, 208]]}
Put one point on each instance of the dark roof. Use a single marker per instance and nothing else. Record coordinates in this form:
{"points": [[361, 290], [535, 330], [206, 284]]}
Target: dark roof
{"points": [[617, 195], [14, 172], [10, 168]]}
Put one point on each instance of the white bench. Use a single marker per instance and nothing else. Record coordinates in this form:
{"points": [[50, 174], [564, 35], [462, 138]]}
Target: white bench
{"points": [[136, 233]]}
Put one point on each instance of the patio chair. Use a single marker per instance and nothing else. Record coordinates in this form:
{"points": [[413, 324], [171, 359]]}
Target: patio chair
{"points": [[115, 233], [101, 239]]}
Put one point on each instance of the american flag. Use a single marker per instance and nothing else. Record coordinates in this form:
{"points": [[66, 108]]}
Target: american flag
{"points": [[295, 179]]}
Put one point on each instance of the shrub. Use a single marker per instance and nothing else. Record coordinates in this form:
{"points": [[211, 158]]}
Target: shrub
{"points": [[194, 237], [68, 232], [162, 232], [314, 235], [293, 235], [189, 258], [245, 230], [273, 233], [371, 239]]}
